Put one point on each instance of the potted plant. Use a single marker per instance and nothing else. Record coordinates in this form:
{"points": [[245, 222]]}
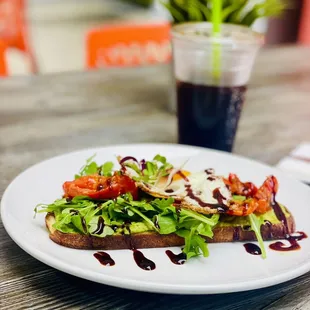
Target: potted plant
{"points": [[241, 12]]}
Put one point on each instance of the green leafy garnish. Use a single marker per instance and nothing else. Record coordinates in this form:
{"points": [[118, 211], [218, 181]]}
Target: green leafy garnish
{"points": [[106, 169], [166, 223], [256, 223], [82, 215], [91, 167], [151, 171]]}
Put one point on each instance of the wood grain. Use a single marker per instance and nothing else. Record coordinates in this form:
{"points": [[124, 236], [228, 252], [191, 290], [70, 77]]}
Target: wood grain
{"points": [[48, 115]]}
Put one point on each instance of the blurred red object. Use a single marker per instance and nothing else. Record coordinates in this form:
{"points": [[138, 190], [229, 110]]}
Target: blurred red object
{"points": [[128, 45], [304, 26], [3, 66], [13, 28]]}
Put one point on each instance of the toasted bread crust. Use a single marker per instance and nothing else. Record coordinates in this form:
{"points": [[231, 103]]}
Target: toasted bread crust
{"points": [[155, 240]]}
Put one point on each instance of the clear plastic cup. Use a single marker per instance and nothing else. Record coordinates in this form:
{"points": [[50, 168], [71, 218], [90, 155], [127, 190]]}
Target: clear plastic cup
{"points": [[211, 76]]}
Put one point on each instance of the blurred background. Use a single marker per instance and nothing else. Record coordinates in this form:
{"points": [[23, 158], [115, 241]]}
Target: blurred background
{"points": [[57, 29]]}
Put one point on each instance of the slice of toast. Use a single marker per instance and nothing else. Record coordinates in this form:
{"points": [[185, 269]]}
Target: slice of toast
{"points": [[155, 240]]}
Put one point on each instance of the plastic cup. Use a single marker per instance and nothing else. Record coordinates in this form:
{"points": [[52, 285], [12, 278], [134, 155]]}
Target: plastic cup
{"points": [[211, 77]]}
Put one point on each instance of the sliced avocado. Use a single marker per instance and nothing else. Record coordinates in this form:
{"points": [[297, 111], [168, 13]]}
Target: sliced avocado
{"points": [[134, 228], [139, 227]]}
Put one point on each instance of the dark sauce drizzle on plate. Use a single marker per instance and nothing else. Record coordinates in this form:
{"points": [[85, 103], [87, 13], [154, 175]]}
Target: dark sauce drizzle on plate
{"points": [[293, 242], [252, 249], [178, 259], [104, 259], [143, 262], [292, 239]]}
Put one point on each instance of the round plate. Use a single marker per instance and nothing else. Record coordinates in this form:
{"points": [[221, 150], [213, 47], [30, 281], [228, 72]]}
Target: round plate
{"points": [[229, 268]]}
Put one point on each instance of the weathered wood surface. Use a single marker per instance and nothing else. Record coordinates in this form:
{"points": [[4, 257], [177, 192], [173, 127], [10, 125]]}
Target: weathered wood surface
{"points": [[48, 115]]}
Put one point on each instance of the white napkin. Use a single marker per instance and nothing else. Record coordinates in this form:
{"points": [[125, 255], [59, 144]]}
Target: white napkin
{"points": [[297, 163]]}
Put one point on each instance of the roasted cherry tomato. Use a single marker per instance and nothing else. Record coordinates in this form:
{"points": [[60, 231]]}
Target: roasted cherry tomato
{"points": [[100, 187], [266, 193], [258, 200], [247, 189]]}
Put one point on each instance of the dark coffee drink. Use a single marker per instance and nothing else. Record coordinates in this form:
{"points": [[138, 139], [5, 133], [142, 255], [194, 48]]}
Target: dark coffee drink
{"points": [[208, 115]]}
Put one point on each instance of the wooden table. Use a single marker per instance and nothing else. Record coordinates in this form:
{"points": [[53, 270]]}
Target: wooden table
{"points": [[48, 115]]}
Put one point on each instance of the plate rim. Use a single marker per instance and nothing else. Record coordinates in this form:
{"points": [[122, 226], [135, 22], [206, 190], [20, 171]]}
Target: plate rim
{"points": [[139, 285]]}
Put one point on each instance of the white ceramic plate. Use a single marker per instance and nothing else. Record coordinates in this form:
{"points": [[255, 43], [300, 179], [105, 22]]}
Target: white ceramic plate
{"points": [[229, 268]]}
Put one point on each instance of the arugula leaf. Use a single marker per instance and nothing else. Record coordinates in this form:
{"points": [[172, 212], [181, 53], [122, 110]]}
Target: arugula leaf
{"points": [[89, 168], [153, 170], [162, 204], [189, 213], [106, 169], [133, 166], [149, 221], [63, 223], [191, 229], [167, 224], [77, 222], [93, 225], [202, 228], [90, 211], [193, 243], [67, 229], [160, 158], [205, 230], [256, 223], [200, 243]]}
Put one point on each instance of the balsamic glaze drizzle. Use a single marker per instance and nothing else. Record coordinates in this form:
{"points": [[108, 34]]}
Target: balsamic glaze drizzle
{"points": [[292, 239], [178, 259], [104, 259], [210, 171], [143, 262], [216, 195], [252, 249], [100, 226], [293, 243]]}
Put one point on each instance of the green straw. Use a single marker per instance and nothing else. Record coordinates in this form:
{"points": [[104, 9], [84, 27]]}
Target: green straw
{"points": [[216, 48]]}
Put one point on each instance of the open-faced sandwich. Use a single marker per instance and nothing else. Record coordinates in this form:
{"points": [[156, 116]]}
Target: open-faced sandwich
{"points": [[152, 204]]}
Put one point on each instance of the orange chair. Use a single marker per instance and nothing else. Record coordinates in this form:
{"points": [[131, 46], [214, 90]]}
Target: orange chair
{"points": [[304, 28], [3, 66], [128, 45], [13, 29]]}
